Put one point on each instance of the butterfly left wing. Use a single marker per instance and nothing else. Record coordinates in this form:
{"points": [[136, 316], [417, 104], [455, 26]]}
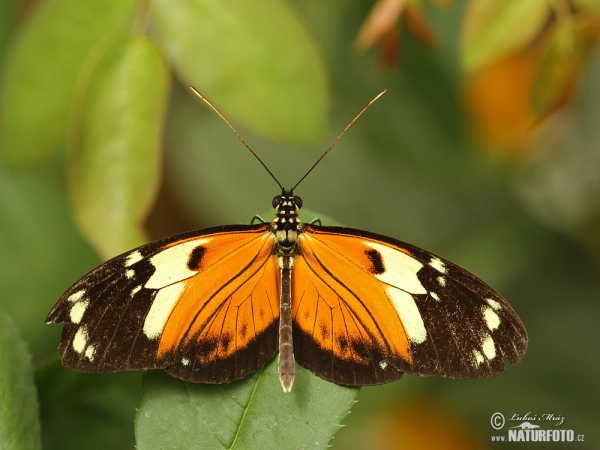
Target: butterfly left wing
{"points": [[204, 305], [368, 308]]}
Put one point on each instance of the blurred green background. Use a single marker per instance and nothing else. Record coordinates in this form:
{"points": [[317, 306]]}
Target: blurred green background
{"points": [[523, 216]]}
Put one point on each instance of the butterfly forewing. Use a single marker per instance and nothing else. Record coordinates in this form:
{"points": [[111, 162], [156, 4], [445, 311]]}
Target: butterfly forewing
{"points": [[369, 308], [202, 304]]}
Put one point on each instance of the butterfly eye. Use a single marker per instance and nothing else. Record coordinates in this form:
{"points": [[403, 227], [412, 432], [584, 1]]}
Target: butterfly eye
{"points": [[298, 201], [276, 201]]}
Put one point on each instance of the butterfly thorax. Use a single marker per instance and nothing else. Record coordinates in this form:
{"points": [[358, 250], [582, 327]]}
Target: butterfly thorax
{"points": [[287, 224]]}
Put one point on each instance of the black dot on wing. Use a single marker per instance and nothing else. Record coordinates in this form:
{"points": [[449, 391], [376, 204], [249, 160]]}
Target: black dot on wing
{"points": [[342, 342], [226, 340], [195, 259], [324, 331], [243, 329], [377, 266]]}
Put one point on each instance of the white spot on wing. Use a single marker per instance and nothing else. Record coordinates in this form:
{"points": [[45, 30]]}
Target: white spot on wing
{"points": [[135, 290], [132, 258], [161, 309], [185, 361], [76, 296], [488, 346], [409, 314], [489, 350], [438, 265], [441, 281], [80, 340], [494, 304], [491, 318], [435, 296], [90, 352], [400, 269], [477, 358], [383, 365], [172, 264], [130, 273], [77, 310]]}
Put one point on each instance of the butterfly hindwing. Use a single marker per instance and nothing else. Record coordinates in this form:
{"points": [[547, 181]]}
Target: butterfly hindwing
{"points": [[204, 305], [369, 308]]}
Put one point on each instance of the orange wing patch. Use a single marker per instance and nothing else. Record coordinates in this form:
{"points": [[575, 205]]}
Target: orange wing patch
{"points": [[344, 313], [237, 283]]}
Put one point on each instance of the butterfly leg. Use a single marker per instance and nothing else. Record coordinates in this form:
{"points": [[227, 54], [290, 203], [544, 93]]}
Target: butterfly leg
{"points": [[315, 221], [258, 219], [286, 349]]}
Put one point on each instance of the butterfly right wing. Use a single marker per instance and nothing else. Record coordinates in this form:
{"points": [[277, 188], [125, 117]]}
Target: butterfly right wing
{"points": [[204, 305], [369, 308]]}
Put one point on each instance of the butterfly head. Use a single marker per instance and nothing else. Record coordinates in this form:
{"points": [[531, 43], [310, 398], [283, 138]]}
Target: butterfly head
{"points": [[287, 203]]}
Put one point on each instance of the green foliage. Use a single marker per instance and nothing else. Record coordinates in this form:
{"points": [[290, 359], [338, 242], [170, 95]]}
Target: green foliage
{"points": [[256, 58], [493, 28], [19, 425], [41, 71], [41, 252], [251, 413], [82, 410], [114, 168]]}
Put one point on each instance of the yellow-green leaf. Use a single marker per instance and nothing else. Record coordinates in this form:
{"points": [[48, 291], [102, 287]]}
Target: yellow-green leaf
{"points": [[556, 75], [19, 422], [262, 72], [567, 50], [492, 28], [115, 166], [253, 413], [40, 72], [592, 5], [8, 13]]}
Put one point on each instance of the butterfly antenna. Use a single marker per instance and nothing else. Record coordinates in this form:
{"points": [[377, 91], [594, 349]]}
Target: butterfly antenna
{"points": [[236, 133], [339, 137]]}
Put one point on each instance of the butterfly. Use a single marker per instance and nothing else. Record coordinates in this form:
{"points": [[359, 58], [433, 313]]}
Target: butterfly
{"points": [[354, 307]]}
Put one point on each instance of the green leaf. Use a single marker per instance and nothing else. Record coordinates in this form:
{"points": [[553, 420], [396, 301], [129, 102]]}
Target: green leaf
{"points": [[261, 71], [87, 411], [251, 413], [557, 73], [591, 5], [42, 66], [19, 423], [567, 50], [8, 10], [492, 28], [115, 169]]}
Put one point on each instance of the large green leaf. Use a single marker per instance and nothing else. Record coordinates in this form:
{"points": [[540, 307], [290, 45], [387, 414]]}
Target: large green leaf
{"points": [[115, 169], [19, 423], [494, 27], [254, 60], [252, 413], [46, 56]]}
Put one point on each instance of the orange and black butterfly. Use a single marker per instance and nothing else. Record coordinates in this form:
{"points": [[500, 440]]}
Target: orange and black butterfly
{"points": [[354, 307]]}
